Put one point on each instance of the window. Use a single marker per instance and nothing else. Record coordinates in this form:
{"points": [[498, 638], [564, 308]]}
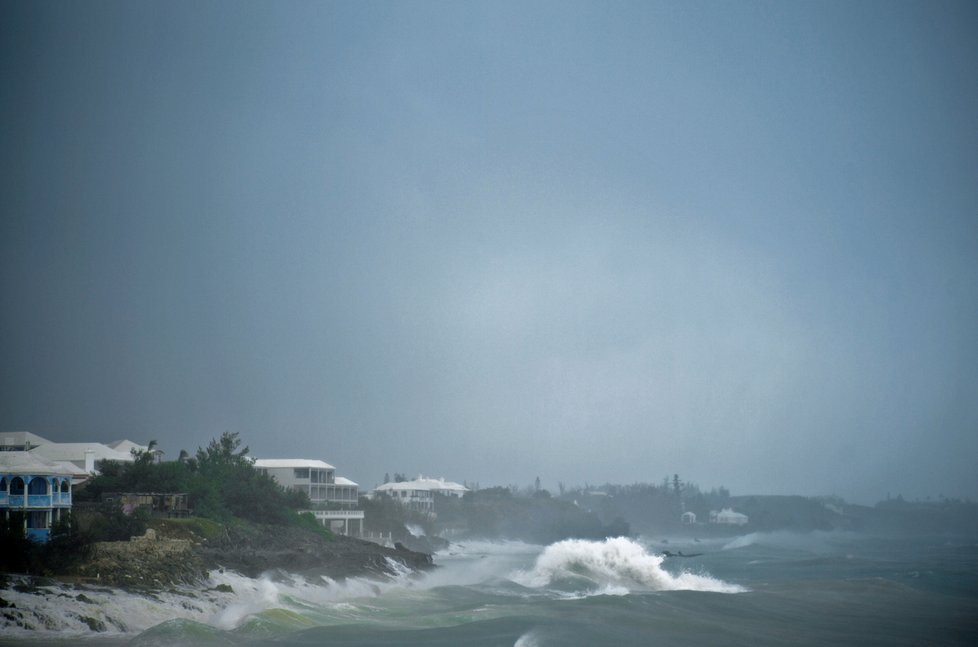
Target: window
{"points": [[16, 485], [3, 483], [301, 472], [64, 486], [38, 485]]}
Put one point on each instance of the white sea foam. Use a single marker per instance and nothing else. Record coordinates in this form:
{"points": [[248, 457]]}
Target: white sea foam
{"points": [[816, 541], [529, 639], [414, 529], [64, 610], [612, 566]]}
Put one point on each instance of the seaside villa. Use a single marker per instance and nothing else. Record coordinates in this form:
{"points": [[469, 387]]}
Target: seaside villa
{"points": [[33, 491], [419, 494], [728, 517], [333, 497]]}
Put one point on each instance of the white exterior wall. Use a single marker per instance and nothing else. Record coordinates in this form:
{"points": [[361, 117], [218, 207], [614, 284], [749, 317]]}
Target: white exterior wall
{"points": [[316, 478]]}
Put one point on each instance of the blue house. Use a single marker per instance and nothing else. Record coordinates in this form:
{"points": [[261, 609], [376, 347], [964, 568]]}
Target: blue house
{"points": [[34, 491]]}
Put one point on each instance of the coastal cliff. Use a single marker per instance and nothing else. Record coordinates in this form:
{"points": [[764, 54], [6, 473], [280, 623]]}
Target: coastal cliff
{"points": [[173, 553]]}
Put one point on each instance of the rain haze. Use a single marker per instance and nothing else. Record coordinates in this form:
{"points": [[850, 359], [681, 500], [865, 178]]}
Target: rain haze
{"points": [[587, 242]]}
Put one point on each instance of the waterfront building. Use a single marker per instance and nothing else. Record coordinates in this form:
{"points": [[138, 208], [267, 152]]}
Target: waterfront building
{"points": [[34, 491], [419, 494], [728, 517], [334, 498]]}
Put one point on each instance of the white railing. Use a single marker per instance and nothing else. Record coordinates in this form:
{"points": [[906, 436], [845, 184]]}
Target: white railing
{"points": [[338, 514]]}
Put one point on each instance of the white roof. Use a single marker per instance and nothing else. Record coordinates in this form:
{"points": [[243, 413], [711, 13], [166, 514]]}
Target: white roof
{"points": [[727, 513], [271, 463], [345, 481], [127, 446], [21, 438], [421, 483], [29, 463], [76, 452]]}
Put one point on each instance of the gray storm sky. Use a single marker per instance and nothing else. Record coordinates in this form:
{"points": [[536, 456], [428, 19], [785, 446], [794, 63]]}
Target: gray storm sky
{"points": [[490, 241]]}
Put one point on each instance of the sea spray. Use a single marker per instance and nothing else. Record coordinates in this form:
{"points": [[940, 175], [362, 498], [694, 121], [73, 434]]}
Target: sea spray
{"points": [[613, 566], [227, 601], [414, 529]]}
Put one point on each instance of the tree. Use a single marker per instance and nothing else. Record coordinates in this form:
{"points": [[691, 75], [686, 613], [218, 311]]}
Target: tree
{"points": [[676, 484], [223, 451]]}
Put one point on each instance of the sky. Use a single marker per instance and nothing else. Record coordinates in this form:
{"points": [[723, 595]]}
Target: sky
{"points": [[586, 241]]}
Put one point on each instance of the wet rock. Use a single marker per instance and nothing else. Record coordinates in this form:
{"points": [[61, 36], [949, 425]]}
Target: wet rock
{"points": [[93, 623]]}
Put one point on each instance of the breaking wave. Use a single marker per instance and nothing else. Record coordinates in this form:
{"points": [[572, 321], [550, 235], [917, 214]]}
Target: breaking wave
{"points": [[612, 567]]}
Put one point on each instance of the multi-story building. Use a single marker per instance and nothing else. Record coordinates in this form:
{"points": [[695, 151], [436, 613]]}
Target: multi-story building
{"points": [[33, 491], [333, 498]]}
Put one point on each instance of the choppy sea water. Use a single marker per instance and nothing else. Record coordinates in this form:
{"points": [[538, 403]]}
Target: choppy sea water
{"points": [[757, 589]]}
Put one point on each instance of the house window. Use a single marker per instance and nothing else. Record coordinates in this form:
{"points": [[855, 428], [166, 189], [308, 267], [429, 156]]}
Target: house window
{"points": [[16, 485], [38, 485], [64, 486], [3, 483], [301, 472]]}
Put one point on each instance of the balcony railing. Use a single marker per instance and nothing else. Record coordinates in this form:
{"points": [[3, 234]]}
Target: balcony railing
{"points": [[34, 500], [338, 514]]}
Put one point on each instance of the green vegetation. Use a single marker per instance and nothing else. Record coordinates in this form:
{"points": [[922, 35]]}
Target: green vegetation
{"points": [[223, 487], [385, 515], [220, 481], [67, 546]]}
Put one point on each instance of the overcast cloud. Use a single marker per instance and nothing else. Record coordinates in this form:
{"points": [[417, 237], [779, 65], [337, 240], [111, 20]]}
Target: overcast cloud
{"points": [[491, 241]]}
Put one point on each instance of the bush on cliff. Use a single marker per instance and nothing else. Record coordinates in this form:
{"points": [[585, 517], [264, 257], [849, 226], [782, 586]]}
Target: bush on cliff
{"points": [[220, 480]]}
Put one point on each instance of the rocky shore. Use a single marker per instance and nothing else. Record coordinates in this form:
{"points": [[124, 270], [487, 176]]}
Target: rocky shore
{"points": [[252, 550], [173, 555]]}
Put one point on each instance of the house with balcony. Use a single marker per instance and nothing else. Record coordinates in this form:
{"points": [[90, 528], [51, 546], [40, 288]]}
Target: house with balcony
{"points": [[33, 491], [334, 499]]}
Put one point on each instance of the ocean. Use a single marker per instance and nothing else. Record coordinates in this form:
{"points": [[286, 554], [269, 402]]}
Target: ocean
{"points": [[756, 589]]}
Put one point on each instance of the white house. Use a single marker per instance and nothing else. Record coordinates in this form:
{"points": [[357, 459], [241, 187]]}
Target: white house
{"points": [[318, 480], [419, 494], [728, 517], [689, 518]]}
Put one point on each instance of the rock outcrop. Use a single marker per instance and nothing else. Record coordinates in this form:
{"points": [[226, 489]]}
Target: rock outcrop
{"points": [[153, 560], [147, 561], [253, 549]]}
